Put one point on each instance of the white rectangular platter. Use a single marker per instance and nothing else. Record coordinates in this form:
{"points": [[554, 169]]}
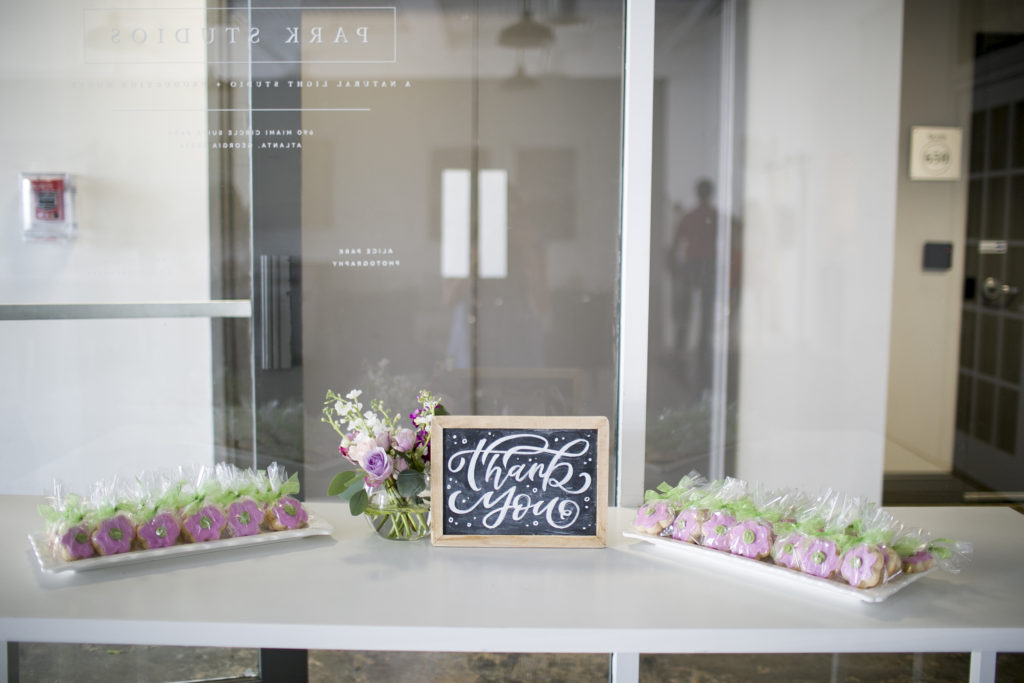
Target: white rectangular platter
{"points": [[48, 563], [756, 570]]}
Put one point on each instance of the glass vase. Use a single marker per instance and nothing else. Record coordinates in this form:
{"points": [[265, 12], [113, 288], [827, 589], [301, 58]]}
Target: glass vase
{"points": [[396, 518]]}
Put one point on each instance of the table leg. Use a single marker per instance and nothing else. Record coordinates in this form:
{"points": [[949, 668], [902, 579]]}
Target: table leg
{"points": [[983, 667], [9, 662], [284, 666], [624, 668]]}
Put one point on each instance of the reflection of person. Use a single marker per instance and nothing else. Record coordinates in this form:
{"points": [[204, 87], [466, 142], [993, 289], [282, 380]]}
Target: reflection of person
{"points": [[692, 264]]}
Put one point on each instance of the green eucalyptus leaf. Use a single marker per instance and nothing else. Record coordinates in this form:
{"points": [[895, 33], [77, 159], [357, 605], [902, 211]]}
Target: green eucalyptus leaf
{"points": [[357, 503], [440, 410], [411, 483], [341, 482]]}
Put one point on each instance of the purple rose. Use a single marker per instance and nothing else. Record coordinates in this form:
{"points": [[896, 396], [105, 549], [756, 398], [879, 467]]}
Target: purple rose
{"points": [[160, 532], [378, 466], [405, 440]]}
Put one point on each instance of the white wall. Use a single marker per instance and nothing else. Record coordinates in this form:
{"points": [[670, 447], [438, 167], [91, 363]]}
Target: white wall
{"points": [[83, 400], [821, 138]]}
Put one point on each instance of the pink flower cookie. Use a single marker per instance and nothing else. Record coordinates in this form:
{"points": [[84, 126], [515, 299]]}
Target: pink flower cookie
{"points": [[787, 550], [114, 535], [863, 566], [919, 562], [286, 513], [819, 557], [204, 525], [160, 532], [75, 544], [893, 563], [652, 518], [715, 531], [244, 517], [751, 538], [686, 526]]}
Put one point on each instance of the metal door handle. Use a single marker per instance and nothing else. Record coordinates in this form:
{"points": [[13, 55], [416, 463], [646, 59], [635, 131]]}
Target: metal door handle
{"points": [[993, 289], [275, 320]]}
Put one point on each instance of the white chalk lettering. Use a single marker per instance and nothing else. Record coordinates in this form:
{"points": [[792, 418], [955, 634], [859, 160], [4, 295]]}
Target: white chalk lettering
{"points": [[493, 472]]}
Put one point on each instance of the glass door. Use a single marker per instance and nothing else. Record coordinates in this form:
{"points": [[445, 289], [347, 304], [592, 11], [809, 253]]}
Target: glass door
{"points": [[989, 448], [442, 214]]}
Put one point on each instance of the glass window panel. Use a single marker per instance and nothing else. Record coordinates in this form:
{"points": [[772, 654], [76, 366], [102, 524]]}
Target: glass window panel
{"points": [[963, 403], [1017, 204], [995, 208], [988, 344], [685, 227], [979, 121], [974, 205], [1018, 134], [459, 232], [967, 337], [1006, 420], [983, 411], [1009, 367], [999, 135]]}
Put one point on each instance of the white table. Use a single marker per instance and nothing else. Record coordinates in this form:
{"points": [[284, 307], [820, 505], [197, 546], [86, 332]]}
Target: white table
{"points": [[351, 591]]}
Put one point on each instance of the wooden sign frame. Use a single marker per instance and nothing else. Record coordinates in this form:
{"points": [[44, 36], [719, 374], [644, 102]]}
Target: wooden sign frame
{"points": [[554, 493]]}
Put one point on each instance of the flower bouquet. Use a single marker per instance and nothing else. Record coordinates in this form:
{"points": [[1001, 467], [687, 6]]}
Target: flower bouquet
{"points": [[389, 484]]}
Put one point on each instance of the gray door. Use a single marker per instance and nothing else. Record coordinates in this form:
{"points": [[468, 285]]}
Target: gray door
{"points": [[989, 445]]}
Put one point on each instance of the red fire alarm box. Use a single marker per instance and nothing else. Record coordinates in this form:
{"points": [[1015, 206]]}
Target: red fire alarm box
{"points": [[47, 206]]}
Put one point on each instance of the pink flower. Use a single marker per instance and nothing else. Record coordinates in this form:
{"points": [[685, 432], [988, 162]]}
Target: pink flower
{"points": [[405, 440], [358, 451], [383, 439]]}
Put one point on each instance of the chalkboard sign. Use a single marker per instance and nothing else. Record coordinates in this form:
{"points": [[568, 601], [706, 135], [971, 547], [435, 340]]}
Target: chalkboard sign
{"points": [[519, 481]]}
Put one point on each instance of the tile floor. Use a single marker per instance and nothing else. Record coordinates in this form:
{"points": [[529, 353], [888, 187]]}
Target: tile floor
{"points": [[40, 663]]}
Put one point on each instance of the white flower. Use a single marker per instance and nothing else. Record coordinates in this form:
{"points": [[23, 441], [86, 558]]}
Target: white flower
{"points": [[354, 394], [361, 448]]}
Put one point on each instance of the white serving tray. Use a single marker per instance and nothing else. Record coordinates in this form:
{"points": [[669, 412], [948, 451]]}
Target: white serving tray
{"points": [[745, 567], [49, 563]]}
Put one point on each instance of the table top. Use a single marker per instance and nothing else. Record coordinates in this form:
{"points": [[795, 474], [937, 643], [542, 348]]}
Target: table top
{"points": [[352, 590]]}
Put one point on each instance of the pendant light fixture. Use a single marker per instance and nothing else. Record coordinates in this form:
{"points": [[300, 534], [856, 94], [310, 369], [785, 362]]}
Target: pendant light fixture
{"points": [[527, 32]]}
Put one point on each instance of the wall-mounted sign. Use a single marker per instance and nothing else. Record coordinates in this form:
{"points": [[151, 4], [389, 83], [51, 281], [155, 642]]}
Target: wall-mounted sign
{"points": [[519, 481], [935, 153]]}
